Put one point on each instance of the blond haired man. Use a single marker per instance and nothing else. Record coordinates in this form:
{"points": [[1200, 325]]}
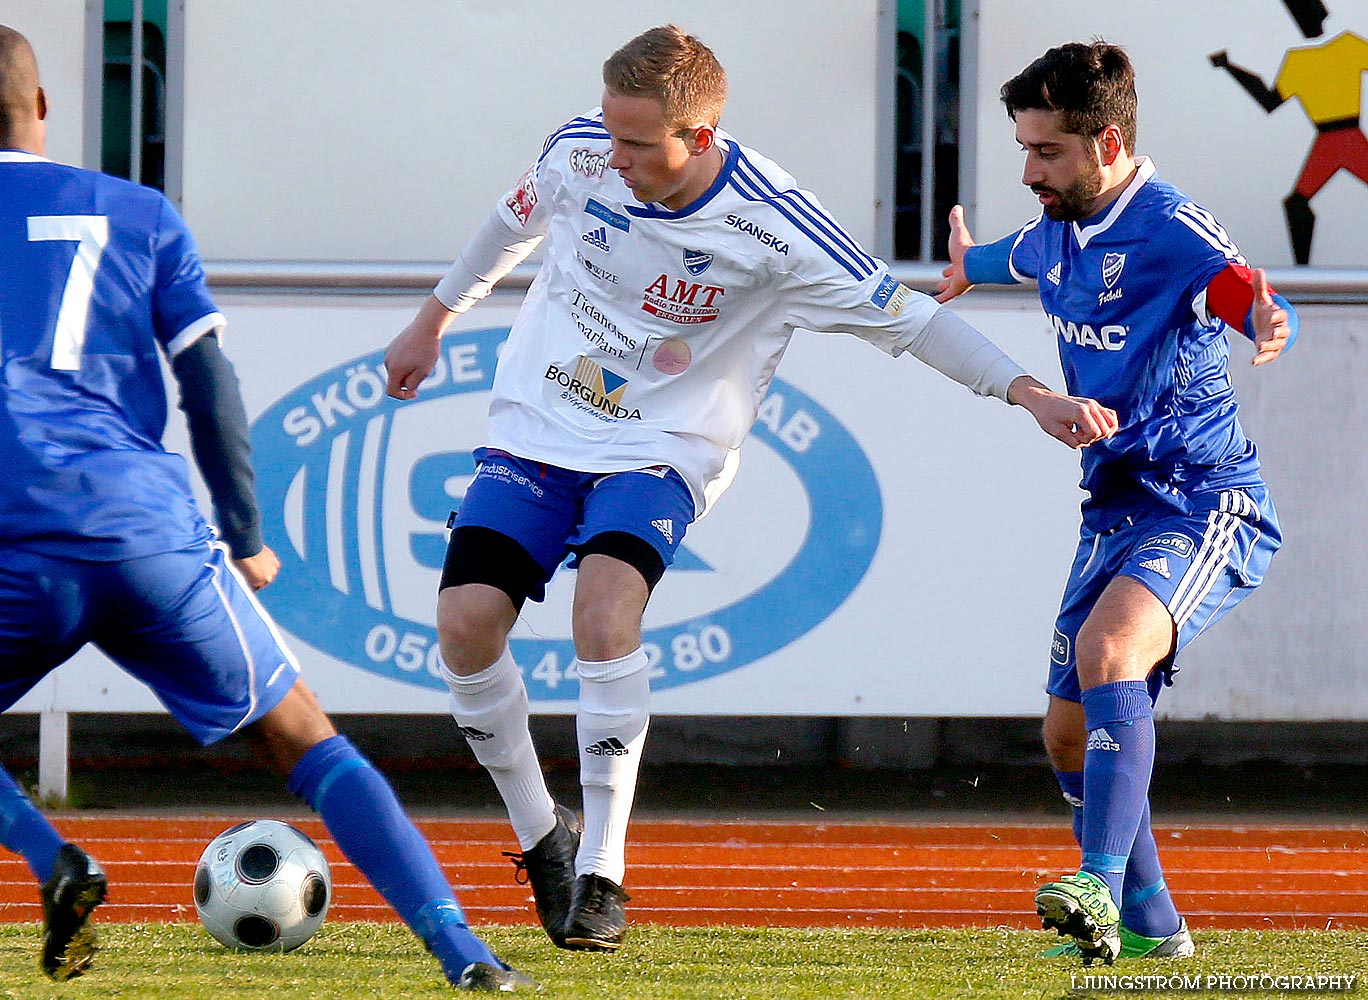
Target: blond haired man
{"points": [[678, 264]]}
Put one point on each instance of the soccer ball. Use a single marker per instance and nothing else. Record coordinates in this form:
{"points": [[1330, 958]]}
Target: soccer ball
{"points": [[262, 886]]}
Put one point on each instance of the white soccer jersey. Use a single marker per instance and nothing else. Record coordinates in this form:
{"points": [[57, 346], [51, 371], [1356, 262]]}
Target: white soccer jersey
{"points": [[650, 336]]}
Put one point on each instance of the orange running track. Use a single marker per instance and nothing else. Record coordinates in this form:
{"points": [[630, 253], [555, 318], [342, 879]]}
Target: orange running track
{"points": [[803, 874]]}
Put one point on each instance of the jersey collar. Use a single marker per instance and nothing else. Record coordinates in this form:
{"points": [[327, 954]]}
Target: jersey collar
{"points": [[1083, 233], [655, 211], [19, 156]]}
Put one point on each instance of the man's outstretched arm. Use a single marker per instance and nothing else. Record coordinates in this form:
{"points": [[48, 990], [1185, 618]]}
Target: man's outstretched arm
{"points": [[960, 352]]}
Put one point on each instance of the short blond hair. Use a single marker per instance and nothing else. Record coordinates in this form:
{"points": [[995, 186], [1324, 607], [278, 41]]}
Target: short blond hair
{"points": [[676, 69]]}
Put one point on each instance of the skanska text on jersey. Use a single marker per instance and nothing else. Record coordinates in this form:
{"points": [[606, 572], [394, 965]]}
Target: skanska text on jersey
{"points": [[765, 237]]}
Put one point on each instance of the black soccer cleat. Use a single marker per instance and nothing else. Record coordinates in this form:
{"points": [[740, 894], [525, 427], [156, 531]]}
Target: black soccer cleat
{"points": [[77, 886], [481, 977], [550, 868], [597, 921]]}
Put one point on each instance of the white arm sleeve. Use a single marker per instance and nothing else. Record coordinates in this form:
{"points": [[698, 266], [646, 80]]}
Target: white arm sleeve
{"points": [[958, 351], [493, 251]]}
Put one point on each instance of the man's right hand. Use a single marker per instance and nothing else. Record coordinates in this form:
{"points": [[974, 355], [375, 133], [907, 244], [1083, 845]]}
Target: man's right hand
{"points": [[953, 281], [413, 354]]}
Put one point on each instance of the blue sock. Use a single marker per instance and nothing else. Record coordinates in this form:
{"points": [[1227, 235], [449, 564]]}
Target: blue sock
{"points": [[371, 828], [1071, 784], [1118, 760], [1146, 907], [25, 831]]}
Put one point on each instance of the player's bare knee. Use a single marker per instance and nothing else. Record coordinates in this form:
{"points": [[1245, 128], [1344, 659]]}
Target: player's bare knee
{"points": [[472, 631], [1103, 656], [617, 571], [606, 631]]}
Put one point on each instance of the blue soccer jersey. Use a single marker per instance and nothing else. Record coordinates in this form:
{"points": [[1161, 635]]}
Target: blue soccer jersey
{"points": [[100, 275], [1125, 293]]}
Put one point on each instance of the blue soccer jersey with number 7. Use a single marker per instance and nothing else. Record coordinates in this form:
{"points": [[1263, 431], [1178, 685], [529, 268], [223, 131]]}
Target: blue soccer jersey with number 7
{"points": [[1125, 294], [100, 277]]}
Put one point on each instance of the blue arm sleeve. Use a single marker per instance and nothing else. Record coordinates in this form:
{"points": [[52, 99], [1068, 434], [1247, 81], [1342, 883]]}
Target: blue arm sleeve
{"points": [[1293, 323], [990, 263]]}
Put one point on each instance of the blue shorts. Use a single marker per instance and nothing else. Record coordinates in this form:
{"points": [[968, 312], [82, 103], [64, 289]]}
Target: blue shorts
{"points": [[184, 623], [551, 511], [1199, 565]]}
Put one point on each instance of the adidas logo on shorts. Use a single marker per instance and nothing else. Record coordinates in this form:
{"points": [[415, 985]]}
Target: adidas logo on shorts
{"points": [[611, 747], [1159, 566], [1054, 272], [666, 527]]}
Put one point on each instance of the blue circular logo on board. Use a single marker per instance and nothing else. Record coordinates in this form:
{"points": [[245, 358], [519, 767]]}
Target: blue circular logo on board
{"points": [[356, 487]]}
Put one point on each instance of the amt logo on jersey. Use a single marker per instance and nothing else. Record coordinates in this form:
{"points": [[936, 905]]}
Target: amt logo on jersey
{"points": [[355, 489]]}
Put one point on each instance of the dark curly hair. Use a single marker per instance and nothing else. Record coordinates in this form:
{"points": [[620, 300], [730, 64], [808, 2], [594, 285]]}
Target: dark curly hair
{"points": [[1092, 84]]}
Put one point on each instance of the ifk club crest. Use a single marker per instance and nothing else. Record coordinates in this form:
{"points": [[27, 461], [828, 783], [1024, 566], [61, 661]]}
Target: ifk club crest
{"points": [[355, 490], [1112, 265]]}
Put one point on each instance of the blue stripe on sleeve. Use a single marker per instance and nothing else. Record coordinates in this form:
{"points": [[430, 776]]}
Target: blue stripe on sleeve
{"points": [[857, 264], [568, 134], [991, 263], [815, 215]]}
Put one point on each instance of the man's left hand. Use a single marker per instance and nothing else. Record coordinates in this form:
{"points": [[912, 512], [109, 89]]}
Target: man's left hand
{"points": [[1271, 328]]}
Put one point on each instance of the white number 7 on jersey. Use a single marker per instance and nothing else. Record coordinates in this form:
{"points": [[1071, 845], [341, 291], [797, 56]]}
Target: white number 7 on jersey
{"points": [[90, 233]]}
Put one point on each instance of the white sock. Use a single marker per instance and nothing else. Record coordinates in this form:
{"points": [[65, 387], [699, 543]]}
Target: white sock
{"points": [[490, 708], [611, 726]]}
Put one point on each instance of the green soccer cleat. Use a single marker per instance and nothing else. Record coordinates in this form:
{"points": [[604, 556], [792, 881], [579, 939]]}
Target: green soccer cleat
{"points": [[1179, 944], [1081, 906]]}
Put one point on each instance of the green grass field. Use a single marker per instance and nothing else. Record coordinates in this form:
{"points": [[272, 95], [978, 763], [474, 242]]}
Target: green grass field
{"points": [[353, 960]]}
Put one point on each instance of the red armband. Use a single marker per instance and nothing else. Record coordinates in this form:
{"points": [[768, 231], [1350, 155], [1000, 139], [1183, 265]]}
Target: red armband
{"points": [[1230, 294]]}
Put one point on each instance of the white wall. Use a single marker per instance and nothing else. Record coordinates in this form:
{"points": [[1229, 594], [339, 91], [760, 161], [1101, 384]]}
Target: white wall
{"points": [[56, 30], [319, 130], [1204, 132], [950, 614]]}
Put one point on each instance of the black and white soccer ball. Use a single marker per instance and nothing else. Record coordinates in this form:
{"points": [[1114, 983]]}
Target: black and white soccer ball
{"points": [[262, 886]]}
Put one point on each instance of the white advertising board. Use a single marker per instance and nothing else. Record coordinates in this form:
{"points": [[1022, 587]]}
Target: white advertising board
{"points": [[869, 559], [892, 546]]}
